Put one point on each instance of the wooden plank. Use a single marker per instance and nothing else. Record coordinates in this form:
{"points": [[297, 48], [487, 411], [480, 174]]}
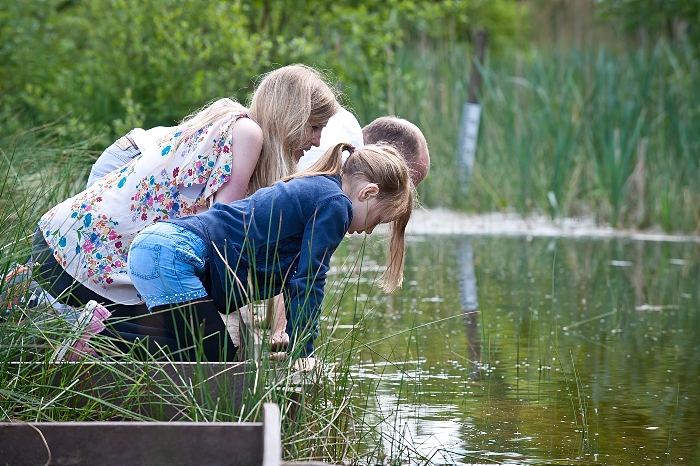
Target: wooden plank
{"points": [[143, 443], [122, 443]]}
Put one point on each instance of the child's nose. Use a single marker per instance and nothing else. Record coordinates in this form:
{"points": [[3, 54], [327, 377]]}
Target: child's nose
{"points": [[316, 138]]}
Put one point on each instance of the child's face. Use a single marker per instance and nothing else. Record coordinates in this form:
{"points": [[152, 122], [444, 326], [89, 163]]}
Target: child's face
{"points": [[366, 210], [313, 140]]}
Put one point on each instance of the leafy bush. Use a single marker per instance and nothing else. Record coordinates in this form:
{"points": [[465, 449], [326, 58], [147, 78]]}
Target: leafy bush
{"points": [[102, 66]]}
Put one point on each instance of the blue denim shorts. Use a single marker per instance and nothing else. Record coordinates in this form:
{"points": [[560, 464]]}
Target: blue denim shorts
{"points": [[166, 264]]}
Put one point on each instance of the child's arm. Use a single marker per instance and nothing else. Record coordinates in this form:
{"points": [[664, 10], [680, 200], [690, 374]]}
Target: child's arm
{"points": [[304, 293], [246, 144]]}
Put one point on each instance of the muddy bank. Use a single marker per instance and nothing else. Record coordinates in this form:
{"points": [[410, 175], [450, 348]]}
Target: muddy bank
{"points": [[444, 222]]}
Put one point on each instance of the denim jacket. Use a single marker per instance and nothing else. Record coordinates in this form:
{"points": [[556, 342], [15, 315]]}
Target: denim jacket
{"points": [[280, 239]]}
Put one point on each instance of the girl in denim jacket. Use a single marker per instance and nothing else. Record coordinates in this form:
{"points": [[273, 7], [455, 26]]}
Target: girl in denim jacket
{"points": [[279, 240]]}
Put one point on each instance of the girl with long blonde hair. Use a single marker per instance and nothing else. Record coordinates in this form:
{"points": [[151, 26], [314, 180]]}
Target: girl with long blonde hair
{"points": [[222, 153]]}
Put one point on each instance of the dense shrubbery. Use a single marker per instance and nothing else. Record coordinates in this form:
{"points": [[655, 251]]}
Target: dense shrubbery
{"points": [[104, 66]]}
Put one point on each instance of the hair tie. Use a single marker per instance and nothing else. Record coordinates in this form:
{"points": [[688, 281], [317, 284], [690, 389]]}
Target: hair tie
{"points": [[351, 149]]}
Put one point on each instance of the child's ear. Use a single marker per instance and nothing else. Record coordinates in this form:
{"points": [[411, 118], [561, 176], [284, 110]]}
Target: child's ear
{"points": [[368, 192]]}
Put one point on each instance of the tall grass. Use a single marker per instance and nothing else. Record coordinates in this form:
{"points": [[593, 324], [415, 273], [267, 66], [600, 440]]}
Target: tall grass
{"points": [[562, 131], [321, 418], [386, 358], [602, 132]]}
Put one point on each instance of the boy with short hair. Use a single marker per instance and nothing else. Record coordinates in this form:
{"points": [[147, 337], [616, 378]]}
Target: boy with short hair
{"points": [[406, 137]]}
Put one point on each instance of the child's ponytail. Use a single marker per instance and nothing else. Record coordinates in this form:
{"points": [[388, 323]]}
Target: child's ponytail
{"points": [[392, 277], [382, 164]]}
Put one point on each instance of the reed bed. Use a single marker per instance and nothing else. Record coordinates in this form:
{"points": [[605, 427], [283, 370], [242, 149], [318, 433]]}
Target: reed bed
{"points": [[384, 355], [322, 417], [599, 133]]}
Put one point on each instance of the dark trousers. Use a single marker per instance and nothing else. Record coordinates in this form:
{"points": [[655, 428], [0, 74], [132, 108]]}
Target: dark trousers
{"points": [[199, 330]]}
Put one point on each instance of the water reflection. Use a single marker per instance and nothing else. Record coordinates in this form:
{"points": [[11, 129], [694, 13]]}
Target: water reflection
{"points": [[585, 350], [422, 429], [470, 302]]}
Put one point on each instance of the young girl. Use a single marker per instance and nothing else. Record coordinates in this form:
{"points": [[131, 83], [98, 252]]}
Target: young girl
{"points": [[279, 240], [221, 153]]}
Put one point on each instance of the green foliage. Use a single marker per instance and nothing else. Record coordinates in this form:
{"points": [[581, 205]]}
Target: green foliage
{"points": [[562, 132], [96, 61], [100, 66], [667, 18]]}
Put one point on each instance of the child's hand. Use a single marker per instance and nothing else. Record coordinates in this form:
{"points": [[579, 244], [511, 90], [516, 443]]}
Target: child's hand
{"points": [[278, 356], [304, 365], [279, 341]]}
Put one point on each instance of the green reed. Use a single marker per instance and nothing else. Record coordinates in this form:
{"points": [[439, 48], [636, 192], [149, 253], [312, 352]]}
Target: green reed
{"points": [[599, 133], [42, 173]]}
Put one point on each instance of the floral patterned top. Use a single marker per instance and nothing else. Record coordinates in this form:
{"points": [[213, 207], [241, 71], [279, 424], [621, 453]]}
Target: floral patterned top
{"points": [[90, 233]]}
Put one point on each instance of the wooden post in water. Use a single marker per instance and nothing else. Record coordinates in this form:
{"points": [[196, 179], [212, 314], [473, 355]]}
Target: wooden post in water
{"points": [[480, 39], [471, 111]]}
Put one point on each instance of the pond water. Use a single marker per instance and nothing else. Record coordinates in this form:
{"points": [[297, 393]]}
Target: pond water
{"points": [[530, 350]]}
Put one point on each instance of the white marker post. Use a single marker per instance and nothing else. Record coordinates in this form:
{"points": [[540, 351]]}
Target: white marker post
{"points": [[471, 113], [468, 133]]}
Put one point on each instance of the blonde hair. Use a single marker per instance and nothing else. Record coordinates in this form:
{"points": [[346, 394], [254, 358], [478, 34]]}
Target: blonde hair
{"points": [[384, 166], [287, 103]]}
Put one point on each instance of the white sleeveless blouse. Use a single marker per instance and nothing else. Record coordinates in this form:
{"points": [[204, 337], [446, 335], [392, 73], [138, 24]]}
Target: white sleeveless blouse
{"points": [[90, 233]]}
